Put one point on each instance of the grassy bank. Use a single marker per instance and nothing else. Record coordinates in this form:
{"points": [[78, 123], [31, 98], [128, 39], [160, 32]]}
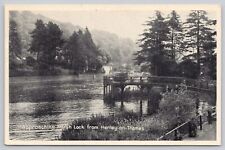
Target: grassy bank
{"points": [[30, 71], [124, 126]]}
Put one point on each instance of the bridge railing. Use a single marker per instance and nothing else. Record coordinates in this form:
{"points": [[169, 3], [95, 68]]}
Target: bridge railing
{"points": [[165, 80]]}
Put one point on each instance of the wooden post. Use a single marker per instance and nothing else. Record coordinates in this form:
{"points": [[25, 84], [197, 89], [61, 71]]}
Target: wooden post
{"points": [[141, 110], [197, 106], [122, 106], [121, 98], [112, 92], [104, 83], [200, 122], [189, 129], [104, 91], [149, 103], [122, 90], [175, 135], [209, 117]]}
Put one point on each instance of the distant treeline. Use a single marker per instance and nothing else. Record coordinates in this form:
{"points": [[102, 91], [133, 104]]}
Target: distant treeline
{"points": [[49, 51], [170, 47]]}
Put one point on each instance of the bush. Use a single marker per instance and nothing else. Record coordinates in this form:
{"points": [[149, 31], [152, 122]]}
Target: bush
{"points": [[99, 134], [177, 107], [151, 128]]}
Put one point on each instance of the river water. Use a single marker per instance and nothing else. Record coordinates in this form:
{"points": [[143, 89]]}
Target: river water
{"points": [[41, 107]]}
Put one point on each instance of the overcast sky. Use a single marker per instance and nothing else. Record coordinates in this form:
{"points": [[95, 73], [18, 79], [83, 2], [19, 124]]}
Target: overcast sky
{"points": [[128, 24]]}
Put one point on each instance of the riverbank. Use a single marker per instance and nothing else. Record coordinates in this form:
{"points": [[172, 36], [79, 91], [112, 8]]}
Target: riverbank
{"points": [[30, 71]]}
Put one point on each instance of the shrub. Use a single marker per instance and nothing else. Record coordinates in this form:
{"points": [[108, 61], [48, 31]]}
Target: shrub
{"points": [[177, 107], [115, 133]]}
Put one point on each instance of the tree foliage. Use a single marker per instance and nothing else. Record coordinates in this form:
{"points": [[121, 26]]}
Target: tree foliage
{"points": [[200, 40], [46, 40], [81, 54], [175, 37], [153, 45], [14, 44], [14, 39], [73, 53], [168, 46], [178, 107], [78, 53]]}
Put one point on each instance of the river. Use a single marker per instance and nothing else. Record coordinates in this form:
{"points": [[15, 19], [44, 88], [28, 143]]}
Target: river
{"points": [[41, 107]]}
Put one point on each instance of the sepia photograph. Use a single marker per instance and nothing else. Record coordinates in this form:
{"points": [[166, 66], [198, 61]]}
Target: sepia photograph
{"points": [[112, 74]]}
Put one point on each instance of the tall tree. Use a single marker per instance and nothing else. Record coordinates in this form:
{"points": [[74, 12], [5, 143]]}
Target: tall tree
{"points": [[55, 41], [199, 37], [14, 46], [93, 55], [81, 53], [73, 53], [39, 36], [175, 42], [14, 40], [46, 40], [153, 45], [209, 55]]}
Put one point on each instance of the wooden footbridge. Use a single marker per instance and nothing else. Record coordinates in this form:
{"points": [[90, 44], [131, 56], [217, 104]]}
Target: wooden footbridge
{"points": [[112, 82]]}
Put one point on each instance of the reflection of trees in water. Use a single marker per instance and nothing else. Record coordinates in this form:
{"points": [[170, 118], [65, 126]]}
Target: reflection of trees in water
{"points": [[43, 113], [47, 89], [110, 103], [46, 118], [46, 109], [122, 108], [35, 92]]}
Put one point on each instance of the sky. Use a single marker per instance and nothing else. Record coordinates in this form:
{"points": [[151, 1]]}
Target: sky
{"points": [[124, 23]]}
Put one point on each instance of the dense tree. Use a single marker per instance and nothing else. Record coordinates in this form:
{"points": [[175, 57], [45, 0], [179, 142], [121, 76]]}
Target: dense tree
{"points": [[39, 36], [46, 40], [73, 53], [14, 45], [153, 45], [200, 38], [168, 46], [177, 108], [14, 40], [208, 58], [55, 41], [175, 37], [93, 56], [81, 54]]}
